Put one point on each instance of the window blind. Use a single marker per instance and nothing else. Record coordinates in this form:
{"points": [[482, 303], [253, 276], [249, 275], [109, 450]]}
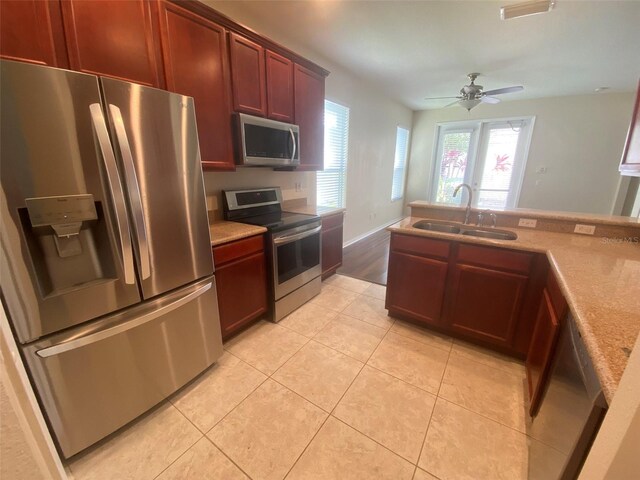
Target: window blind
{"points": [[399, 163], [332, 181]]}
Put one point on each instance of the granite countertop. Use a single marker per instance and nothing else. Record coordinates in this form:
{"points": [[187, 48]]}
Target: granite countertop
{"points": [[547, 214], [316, 210], [223, 231], [600, 279]]}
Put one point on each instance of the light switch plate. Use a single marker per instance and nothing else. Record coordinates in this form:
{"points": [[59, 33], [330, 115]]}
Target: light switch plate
{"points": [[528, 222], [585, 229]]}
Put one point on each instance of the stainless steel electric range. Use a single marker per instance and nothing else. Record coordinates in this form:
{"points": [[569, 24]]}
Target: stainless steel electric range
{"points": [[293, 245]]}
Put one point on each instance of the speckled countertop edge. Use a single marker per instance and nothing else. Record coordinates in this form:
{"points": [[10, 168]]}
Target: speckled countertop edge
{"points": [[546, 214], [223, 231], [316, 210], [607, 314]]}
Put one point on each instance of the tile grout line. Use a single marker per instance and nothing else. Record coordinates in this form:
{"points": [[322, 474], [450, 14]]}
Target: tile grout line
{"points": [[328, 416], [424, 440], [189, 447]]}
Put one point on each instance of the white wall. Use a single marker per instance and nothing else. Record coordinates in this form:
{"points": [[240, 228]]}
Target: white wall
{"points": [[373, 121], [578, 138]]}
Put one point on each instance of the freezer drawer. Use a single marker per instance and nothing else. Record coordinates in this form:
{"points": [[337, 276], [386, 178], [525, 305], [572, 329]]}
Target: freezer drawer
{"points": [[97, 378]]}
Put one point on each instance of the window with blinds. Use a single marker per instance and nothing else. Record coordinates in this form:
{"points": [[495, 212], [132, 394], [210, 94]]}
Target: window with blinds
{"points": [[400, 163], [332, 181]]}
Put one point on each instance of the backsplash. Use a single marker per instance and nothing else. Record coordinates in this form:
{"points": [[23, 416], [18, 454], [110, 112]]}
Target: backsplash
{"points": [[296, 186]]}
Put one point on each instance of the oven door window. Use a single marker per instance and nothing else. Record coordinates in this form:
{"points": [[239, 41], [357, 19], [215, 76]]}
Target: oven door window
{"points": [[297, 257]]}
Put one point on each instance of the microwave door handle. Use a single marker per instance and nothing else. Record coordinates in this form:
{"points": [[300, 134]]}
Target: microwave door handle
{"points": [[293, 141], [117, 194], [296, 236], [134, 192]]}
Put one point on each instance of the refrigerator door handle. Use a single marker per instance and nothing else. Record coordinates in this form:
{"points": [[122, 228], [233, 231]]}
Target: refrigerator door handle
{"points": [[120, 328], [117, 194], [134, 192]]}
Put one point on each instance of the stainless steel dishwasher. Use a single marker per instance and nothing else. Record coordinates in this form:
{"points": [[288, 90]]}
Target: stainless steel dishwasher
{"points": [[571, 411]]}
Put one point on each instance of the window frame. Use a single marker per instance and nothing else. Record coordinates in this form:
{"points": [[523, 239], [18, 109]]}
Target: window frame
{"points": [[341, 171], [404, 166], [477, 149]]}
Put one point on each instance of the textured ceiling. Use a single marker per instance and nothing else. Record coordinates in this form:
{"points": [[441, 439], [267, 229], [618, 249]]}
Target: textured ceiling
{"points": [[416, 49]]}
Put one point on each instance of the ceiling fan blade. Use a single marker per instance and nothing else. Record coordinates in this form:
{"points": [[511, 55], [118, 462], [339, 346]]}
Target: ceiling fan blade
{"points": [[492, 100], [438, 98], [451, 104], [498, 91]]}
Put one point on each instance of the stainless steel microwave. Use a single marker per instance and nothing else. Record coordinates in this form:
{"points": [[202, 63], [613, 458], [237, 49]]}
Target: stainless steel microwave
{"points": [[268, 143]]}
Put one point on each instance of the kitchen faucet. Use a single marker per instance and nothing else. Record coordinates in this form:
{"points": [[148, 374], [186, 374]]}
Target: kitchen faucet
{"points": [[468, 211]]}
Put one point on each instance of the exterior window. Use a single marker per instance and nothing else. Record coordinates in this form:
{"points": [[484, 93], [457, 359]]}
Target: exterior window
{"points": [[488, 155], [400, 163], [332, 181]]}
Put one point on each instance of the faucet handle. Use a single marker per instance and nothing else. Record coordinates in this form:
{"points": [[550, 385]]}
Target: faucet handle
{"points": [[480, 218], [494, 219]]}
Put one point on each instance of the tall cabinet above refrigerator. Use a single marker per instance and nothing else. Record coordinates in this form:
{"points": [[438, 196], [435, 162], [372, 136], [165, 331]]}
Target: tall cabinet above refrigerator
{"points": [[107, 272]]}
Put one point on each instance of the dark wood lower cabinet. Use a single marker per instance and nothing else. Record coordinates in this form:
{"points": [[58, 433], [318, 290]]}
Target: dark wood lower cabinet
{"points": [[551, 315], [485, 303], [331, 244], [423, 283], [483, 294], [241, 278]]}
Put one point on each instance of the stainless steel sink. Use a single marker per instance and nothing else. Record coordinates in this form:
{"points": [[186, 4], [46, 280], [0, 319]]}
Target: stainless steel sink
{"points": [[450, 227], [446, 227], [493, 233]]}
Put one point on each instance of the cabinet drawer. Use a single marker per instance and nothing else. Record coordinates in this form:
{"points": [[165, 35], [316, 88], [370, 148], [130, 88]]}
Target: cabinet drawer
{"points": [[495, 258], [422, 246], [332, 221], [238, 249]]}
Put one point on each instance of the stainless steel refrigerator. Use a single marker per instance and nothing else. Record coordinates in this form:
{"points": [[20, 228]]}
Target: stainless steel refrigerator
{"points": [[107, 272]]}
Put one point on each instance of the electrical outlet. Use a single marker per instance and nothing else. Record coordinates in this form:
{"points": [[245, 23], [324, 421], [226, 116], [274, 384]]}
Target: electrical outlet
{"points": [[528, 222], [585, 229]]}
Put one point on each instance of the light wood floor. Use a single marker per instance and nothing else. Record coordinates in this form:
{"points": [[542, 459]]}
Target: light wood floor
{"points": [[367, 259]]}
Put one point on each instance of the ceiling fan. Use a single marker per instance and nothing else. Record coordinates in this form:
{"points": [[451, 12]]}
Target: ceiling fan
{"points": [[472, 94]]}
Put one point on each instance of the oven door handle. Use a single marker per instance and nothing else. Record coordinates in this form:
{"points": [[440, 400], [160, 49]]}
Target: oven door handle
{"points": [[296, 236]]}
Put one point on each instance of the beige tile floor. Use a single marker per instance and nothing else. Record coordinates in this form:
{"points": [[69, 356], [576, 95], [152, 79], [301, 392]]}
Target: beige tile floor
{"points": [[337, 390]]}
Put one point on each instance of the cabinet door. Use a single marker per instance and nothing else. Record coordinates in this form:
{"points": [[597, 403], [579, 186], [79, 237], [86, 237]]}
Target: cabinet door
{"points": [[113, 38], [415, 287], [242, 292], [279, 87], [485, 303], [31, 31], [195, 59], [248, 76], [541, 350], [309, 116], [331, 244]]}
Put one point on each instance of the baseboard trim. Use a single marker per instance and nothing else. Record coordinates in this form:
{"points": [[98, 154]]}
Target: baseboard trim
{"points": [[370, 232]]}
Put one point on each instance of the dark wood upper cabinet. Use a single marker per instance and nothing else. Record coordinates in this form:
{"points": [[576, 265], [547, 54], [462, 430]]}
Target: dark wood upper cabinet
{"points": [[279, 87], [309, 116], [31, 31], [248, 77], [195, 58], [113, 38], [331, 244], [630, 163]]}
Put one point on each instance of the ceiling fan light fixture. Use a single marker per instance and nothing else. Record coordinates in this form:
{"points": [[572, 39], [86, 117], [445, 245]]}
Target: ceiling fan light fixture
{"points": [[469, 104], [523, 9]]}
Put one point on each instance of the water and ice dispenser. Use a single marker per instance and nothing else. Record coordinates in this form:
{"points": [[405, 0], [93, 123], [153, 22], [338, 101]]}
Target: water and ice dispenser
{"points": [[68, 241]]}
